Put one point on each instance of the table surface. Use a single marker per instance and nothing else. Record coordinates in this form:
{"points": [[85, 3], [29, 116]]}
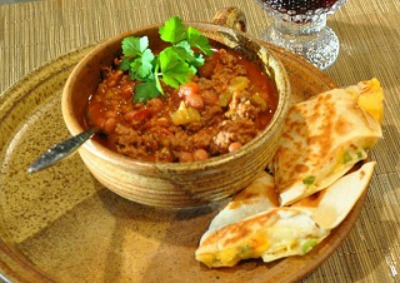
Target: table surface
{"points": [[35, 32]]}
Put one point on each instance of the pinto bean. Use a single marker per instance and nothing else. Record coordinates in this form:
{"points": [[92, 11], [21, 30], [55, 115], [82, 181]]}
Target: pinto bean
{"points": [[185, 156], [234, 146], [200, 154], [195, 101], [189, 89], [110, 125]]}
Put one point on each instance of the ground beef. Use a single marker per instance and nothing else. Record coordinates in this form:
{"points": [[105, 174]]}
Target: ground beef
{"points": [[240, 130], [241, 106], [147, 131]]}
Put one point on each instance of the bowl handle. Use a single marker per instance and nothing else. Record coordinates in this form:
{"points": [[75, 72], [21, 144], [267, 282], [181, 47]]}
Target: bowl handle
{"points": [[231, 17]]}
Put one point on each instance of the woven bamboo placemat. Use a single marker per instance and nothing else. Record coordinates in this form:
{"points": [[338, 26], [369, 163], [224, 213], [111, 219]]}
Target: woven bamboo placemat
{"points": [[33, 33]]}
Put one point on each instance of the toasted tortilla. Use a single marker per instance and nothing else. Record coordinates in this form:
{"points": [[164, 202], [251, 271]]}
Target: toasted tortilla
{"points": [[330, 207], [257, 197], [323, 138], [273, 234], [279, 232]]}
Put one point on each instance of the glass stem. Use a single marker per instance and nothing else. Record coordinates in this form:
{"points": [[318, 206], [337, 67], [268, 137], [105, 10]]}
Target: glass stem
{"points": [[302, 28]]}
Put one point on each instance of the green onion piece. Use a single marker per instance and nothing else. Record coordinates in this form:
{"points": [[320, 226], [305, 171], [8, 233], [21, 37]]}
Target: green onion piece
{"points": [[245, 250], [309, 245], [347, 157], [360, 154], [309, 180]]}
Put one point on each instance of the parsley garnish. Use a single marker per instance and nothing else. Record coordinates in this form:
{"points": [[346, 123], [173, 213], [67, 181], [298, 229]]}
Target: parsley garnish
{"points": [[138, 58], [197, 40], [173, 30], [175, 70], [145, 91], [175, 65]]}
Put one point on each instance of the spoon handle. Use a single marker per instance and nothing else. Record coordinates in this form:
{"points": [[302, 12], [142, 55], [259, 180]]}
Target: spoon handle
{"points": [[61, 151]]}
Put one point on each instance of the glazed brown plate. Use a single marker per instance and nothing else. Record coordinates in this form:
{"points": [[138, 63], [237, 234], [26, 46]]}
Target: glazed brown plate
{"points": [[61, 225]]}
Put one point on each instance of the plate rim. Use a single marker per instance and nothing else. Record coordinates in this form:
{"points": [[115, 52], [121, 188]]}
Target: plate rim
{"points": [[11, 261]]}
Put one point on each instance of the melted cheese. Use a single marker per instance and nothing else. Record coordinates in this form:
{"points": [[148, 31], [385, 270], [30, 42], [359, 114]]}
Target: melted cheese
{"points": [[293, 236], [292, 233]]}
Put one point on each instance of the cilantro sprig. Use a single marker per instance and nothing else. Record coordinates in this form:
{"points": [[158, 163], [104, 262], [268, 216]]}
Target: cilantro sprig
{"points": [[138, 58], [174, 65]]}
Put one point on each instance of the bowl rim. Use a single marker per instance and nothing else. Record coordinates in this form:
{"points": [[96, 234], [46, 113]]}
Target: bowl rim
{"points": [[115, 158]]}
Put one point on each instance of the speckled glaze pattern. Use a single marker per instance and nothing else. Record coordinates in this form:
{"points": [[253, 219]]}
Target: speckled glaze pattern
{"points": [[62, 225]]}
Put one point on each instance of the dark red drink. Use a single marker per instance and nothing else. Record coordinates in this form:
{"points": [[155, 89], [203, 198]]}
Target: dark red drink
{"points": [[298, 6]]}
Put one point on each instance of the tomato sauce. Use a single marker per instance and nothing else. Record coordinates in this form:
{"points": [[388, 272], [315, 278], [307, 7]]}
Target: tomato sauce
{"points": [[228, 103]]}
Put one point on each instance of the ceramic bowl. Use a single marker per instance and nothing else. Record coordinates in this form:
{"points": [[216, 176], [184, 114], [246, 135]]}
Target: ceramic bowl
{"points": [[175, 185]]}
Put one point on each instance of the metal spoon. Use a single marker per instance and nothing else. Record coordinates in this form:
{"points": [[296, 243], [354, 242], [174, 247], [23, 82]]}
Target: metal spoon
{"points": [[61, 150]]}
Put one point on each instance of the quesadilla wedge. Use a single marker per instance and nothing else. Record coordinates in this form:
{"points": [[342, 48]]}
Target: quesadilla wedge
{"points": [[323, 138], [284, 231], [258, 197], [330, 207], [276, 233]]}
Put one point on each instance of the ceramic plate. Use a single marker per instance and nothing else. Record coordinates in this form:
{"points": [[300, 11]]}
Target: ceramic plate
{"points": [[61, 225]]}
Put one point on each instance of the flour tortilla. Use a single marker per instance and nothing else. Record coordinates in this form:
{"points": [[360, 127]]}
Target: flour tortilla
{"points": [[273, 234], [330, 207], [257, 197], [323, 138], [279, 232]]}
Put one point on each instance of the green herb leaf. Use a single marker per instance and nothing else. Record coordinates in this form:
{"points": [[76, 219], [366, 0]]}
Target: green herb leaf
{"points": [[173, 30], [142, 67], [174, 66], [199, 41], [145, 91], [125, 64], [157, 78], [175, 70], [198, 60], [184, 51], [134, 46], [309, 180]]}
